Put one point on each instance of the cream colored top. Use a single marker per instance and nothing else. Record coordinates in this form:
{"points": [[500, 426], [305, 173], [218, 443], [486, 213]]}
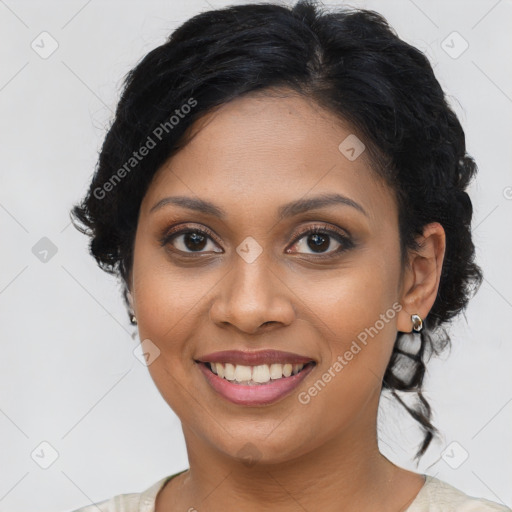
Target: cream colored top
{"points": [[434, 496]]}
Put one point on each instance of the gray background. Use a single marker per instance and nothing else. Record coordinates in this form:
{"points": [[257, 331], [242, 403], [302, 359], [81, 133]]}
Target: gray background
{"points": [[68, 374]]}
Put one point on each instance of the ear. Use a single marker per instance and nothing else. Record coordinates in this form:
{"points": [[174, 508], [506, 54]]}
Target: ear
{"points": [[422, 276]]}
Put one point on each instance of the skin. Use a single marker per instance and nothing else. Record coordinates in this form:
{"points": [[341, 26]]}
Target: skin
{"points": [[249, 157]]}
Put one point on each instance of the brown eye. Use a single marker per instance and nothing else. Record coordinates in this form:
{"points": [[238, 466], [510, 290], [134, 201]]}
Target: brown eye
{"points": [[320, 241], [190, 240]]}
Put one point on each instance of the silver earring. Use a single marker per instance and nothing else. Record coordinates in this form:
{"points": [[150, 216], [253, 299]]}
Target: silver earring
{"points": [[133, 319], [417, 323]]}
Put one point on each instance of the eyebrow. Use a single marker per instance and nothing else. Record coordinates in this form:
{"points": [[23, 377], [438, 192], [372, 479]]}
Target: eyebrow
{"points": [[288, 210]]}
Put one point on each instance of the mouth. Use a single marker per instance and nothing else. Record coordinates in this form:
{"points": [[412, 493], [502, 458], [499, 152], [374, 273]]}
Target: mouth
{"points": [[255, 375], [275, 376]]}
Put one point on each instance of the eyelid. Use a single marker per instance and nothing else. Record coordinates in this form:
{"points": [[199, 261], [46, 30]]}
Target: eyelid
{"points": [[168, 233], [323, 227], [342, 236]]}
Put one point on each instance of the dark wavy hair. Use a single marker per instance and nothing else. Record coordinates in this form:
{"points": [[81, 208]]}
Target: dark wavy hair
{"points": [[348, 61]]}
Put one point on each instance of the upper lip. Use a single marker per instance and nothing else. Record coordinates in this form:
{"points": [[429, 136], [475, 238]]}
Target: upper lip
{"points": [[254, 358]]}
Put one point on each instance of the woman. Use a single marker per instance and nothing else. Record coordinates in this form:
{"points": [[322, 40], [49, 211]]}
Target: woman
{"points": [[282, 193]]}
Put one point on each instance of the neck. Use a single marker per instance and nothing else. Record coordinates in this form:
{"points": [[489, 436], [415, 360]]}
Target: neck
{"points": [[347, 472]]}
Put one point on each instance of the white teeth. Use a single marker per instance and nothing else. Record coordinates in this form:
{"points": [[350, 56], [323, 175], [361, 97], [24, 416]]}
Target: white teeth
{"points": [[229, 371], [259, 374], [276, 371], [242, 373]]}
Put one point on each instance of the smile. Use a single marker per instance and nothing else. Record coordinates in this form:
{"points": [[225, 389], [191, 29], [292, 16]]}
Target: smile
{"points": [[254, 378], [255, 375]]}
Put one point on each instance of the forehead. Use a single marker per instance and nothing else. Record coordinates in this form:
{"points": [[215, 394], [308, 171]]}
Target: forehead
{"points": [[267, 149]]}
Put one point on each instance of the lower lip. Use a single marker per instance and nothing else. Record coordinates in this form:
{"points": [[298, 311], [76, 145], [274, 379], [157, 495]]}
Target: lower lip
{"points": [[259, 394]]}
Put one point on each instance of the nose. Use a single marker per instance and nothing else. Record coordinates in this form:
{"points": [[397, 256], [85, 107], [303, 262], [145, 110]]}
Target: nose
{"points": [[252, 297]]}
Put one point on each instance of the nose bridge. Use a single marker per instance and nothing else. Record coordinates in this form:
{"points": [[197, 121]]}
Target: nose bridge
{"points": [[251, 293], [253, 281]]}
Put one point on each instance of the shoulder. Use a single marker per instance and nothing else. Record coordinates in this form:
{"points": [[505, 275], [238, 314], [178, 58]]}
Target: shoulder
{"points": [[133, 502], [439, 496]]}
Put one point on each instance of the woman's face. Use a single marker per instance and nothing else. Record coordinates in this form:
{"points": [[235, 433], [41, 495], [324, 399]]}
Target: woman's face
{"points": [[257, 281]]}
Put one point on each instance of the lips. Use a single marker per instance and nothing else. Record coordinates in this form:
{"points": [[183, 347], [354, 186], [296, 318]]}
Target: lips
{"points": [[254, 358], [263, 390]]}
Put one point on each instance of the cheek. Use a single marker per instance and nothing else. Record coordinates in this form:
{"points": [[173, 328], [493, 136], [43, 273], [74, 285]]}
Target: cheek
{"points": [[359, 340], [165, 304], [357, 312], [167, 296]]}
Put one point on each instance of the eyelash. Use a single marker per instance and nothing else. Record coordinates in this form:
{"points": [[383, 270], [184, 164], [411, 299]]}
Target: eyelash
{"points": [[344, 241]]}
